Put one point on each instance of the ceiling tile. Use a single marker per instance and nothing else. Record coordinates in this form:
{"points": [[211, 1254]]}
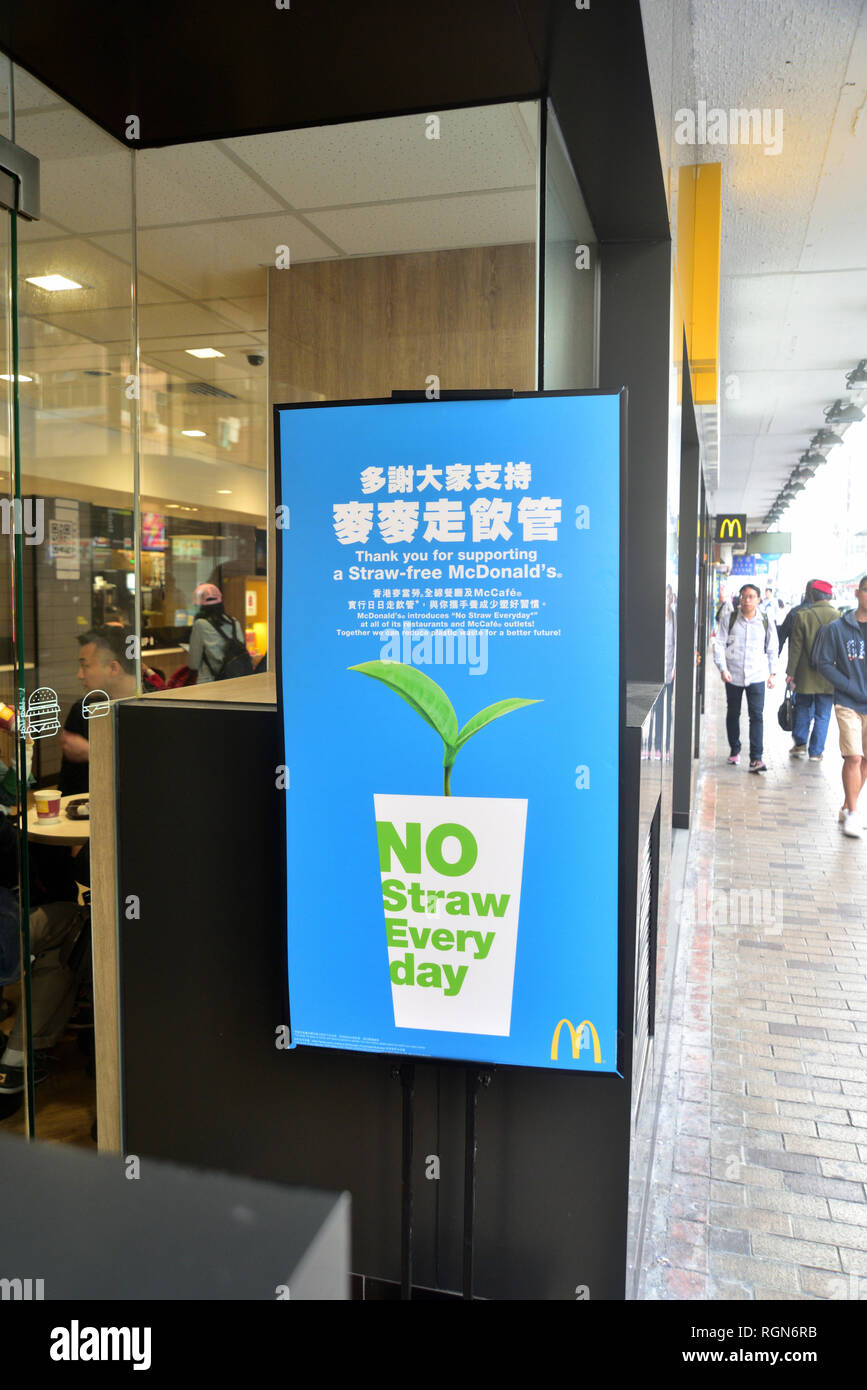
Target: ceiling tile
{"points": [[187, 183], [370, 161], [488, 219], [225, 258]]}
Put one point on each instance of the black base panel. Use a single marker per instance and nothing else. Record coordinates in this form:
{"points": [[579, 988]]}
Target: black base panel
{"points": [[201, 842]]}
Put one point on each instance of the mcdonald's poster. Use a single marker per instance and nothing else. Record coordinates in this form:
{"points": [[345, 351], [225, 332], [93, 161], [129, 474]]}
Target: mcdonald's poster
{"points": [[450, 692]]}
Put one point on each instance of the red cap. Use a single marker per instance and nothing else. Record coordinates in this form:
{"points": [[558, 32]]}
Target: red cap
{"points": [[822, 587], [209, 593]]}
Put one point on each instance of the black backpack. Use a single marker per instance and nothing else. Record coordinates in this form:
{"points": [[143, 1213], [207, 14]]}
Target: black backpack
{"points": [[236, 660]]}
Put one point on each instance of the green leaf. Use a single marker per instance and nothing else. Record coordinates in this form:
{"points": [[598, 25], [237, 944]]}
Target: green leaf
{"points": [[485, 716], [419, 691]]}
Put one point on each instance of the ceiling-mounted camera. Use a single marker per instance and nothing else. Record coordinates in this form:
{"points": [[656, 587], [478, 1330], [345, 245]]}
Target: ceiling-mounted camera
{"points": [[256, 359]]}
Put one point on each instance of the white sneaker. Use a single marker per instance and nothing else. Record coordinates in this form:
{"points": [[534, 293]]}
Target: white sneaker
{"points": [[852, 825]]}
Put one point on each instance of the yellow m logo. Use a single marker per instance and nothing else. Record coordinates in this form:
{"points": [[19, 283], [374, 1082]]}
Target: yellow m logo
{"points": [[732, 526], [575, 1035]]}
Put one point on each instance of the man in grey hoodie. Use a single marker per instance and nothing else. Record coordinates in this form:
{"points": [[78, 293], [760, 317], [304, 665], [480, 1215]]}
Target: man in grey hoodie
{"points": [[840, 657]]}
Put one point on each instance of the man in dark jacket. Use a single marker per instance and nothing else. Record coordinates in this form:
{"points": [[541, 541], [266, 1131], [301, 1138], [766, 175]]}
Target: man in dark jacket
{"points": [[815, 694], [839, 657], [784, 629]]}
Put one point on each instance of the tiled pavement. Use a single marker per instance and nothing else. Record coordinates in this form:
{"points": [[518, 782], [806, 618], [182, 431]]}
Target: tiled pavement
{"points": [[759, 1185]]}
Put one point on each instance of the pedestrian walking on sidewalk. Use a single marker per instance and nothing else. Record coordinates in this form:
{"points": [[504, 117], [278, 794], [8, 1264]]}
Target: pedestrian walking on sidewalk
{"points": [[745, 650], [784, 629], [839, 657], [814, 695]]}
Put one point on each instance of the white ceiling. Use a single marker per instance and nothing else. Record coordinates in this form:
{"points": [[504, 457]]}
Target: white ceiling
{"points": [[793, 306]]}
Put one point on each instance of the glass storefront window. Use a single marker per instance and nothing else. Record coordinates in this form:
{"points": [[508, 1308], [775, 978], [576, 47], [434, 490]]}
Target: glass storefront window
{"points": [[571, 289], [334, 263], [167, 299]]}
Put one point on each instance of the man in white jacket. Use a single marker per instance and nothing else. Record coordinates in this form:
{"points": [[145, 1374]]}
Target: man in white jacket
{"points": [[745, 650]]}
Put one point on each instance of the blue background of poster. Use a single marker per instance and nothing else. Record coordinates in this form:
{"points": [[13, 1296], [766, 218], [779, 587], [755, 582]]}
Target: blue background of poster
{"points": [[348, 737]]}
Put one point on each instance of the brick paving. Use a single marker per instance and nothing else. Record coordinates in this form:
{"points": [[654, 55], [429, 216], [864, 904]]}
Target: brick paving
{"points": [[759, 1182]]}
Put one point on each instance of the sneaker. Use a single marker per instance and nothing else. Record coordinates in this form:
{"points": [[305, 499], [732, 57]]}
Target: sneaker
{"points": [[758, 766], [816, 757], [798, 750], [852, 825], [12, 1078], [734, 759]]}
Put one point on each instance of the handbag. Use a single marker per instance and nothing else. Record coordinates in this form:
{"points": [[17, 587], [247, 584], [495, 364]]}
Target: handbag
{"points": [[786, 712]]}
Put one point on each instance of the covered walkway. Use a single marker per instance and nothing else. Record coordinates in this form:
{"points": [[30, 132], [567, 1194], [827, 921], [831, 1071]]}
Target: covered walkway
{"points": [[759, 1186]]}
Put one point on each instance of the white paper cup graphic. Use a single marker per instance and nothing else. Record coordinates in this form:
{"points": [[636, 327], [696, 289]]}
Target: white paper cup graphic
{"points": [[451, 875]]}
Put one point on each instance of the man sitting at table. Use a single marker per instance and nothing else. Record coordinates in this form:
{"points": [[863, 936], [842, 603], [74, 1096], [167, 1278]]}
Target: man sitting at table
{"points": [[103, 664], [54, 929]]}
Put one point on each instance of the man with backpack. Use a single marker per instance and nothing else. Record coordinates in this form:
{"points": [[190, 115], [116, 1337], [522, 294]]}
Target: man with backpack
{"points": [[745, 651], [814, 694], [217, 648]]}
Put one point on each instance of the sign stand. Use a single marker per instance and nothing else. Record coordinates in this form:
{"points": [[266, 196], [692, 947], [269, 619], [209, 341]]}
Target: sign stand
{"points": [[405, 1073], [474, 1079]]}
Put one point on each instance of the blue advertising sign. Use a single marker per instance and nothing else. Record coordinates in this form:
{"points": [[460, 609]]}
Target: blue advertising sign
{"points": [[750, 565], [449, 676]]}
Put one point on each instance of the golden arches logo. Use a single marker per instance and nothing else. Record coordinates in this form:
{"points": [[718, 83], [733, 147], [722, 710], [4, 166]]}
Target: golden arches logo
{"points": [[728, 525], [575, 1035]]}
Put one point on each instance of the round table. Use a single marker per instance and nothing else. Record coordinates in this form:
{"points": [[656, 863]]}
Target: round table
{"points": [[59, 832]]}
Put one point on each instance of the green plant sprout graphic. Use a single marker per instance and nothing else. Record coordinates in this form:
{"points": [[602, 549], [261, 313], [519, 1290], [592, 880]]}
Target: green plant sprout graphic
{"points": [[436, 709]]}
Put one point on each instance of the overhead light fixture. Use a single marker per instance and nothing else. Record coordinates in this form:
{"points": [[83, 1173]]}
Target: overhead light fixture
{"points": [[840, 414], [204, 352], [6, 377], [53, 282], [811, 459], [856, 380], [825, 439], [195, 434], [224, 492]]}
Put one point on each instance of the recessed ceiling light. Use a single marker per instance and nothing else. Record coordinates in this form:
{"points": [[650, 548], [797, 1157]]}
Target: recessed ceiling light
{"points": [[5, 377], [224, 491], [204, 352], [171, 504], [53, 282], [194, 434]]}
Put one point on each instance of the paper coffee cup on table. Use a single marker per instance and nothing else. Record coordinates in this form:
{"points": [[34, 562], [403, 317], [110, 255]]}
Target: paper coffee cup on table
{"points": [[47, 804]]}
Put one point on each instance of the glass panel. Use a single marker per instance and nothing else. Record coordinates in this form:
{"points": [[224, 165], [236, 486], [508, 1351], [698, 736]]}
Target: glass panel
{"points": [[339, 262], [16, 1071], [75, 435], [204, 409], [571, 274]]}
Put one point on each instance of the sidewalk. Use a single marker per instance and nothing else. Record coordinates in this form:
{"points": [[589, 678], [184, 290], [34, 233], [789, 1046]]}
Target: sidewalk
{"points": [[759, 1186]]}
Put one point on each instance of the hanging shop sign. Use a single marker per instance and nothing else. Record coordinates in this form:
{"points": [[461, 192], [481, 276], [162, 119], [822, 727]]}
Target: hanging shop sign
{"points": [[731, 528], [450, 684]]}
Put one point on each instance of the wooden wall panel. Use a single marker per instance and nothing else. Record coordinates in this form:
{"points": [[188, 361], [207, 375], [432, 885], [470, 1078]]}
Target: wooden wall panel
{"points": [[348, 329], [367, 326]]}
